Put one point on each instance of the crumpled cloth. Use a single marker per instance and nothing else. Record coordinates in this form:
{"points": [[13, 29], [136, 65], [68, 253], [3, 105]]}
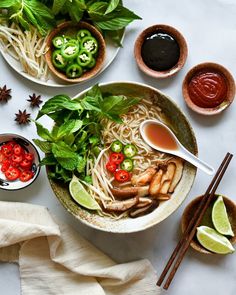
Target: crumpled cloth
{"points": [[54, 259]]}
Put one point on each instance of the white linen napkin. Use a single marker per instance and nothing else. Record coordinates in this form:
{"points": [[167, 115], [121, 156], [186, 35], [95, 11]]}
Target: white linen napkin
{"points": [[54, 259]]}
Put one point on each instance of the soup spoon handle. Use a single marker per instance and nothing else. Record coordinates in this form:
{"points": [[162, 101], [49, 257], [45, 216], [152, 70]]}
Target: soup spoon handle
{"points": [[185, 154]]}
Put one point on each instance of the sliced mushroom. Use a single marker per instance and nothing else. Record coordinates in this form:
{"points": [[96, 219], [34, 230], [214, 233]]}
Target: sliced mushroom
{"points": [[167, 178], [121, 206], [143, 202], [129, 192], [178, 173], [162, 197], [155, 184], [143, 211], [144, 177]]}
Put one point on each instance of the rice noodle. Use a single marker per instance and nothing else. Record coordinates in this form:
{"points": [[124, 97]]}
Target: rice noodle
{"points": [[127, 132], [27, 47]]}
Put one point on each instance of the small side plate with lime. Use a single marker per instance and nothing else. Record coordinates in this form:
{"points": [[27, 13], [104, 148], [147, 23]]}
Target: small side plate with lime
{"points": [[217, 231]]}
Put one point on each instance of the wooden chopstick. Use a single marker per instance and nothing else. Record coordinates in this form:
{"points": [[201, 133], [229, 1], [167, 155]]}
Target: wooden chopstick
{"points": [[185, 241]]}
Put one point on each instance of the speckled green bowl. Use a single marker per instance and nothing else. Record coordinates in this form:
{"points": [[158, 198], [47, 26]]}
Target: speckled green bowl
{"points": [[185, 134]]}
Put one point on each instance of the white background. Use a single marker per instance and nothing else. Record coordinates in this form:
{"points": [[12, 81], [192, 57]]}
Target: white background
{"points": [[210, 30]]}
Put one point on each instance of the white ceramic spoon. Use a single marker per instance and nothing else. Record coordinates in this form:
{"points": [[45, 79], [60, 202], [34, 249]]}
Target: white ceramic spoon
{"points": [[179, 150]]}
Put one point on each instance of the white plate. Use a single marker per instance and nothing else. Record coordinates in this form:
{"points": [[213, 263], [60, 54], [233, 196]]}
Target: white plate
{"points": [[111, 52]]}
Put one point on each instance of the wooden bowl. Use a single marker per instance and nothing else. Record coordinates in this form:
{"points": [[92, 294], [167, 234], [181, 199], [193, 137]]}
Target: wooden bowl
{"points": [[190, 210], [230, 85], [172, 32], [62, 29]]}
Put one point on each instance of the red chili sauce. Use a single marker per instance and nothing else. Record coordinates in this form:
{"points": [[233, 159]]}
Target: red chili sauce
{"points": [[208, 89]]}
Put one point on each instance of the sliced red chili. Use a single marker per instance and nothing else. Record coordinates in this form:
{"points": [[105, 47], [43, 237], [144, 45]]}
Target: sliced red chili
{"points": [[26, 164], [26, 175], [29, 157], [17, 158], [17, 149], [12, 173], [122, 176], [2, 157], [5, 165], [111, 166], [117, 158], [7, 150]]}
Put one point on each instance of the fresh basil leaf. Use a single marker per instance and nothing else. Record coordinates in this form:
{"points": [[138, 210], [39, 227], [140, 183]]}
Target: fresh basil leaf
{"points": [[43, 132], [44, 146], [112, 6], [99, 7], [116, 20], [118, 104], [81, 164], [58, 5], [39, 8], [115, 36], [69, 127], [57, 103], [7, 3], [75, 9]]}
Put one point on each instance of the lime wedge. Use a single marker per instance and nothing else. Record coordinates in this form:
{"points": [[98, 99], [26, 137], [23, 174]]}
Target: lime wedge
{"points": [[220, 218], [81, 196], [210, 239]]}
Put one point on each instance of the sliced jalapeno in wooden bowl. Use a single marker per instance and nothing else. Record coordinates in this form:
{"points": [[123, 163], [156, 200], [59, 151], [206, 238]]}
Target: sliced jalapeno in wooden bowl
{"points": [[75, 52]]}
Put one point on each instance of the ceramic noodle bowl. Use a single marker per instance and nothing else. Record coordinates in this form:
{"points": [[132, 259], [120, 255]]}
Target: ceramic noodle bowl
{"points": [[184, 133]]}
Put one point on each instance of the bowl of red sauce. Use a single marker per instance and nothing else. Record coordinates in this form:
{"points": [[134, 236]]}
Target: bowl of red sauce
{"points": [[160, 51], [208, 88]]}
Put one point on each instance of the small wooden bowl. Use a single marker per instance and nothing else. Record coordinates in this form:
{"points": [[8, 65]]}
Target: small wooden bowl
{"points": [[62, 29], [230, 84], [172, 32], [190, 210]]}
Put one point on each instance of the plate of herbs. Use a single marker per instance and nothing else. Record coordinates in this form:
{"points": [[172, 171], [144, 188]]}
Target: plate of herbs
{"points": [[24, 26]]}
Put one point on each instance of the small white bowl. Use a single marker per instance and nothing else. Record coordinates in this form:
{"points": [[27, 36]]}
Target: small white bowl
{"points": [[29, 147]]}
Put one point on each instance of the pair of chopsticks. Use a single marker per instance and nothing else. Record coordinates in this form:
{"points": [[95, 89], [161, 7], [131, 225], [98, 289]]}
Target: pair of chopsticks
{"points": [[182, 246]]}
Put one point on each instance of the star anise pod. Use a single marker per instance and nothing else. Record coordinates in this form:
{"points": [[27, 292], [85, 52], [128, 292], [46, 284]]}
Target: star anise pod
{"points": [[5, 93], [35, 100], [22, 117]]}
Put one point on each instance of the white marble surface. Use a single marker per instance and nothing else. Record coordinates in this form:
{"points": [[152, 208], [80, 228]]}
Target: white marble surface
{"points": [[210, 30]]}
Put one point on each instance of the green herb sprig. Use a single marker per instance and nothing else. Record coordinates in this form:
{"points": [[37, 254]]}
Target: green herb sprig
{"points": [[109, 16], [76, 134]]}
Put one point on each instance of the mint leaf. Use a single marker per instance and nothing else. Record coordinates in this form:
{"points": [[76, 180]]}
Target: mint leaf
{"points": [[43, 132], [44, 146], [65, 155], [49, 161], [112, 6], [81, 164]]}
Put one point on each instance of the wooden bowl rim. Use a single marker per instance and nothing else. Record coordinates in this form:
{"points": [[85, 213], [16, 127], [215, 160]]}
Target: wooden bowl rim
{"points": [[100, 58], [195, 245], [177, 35], [223, 71]]}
